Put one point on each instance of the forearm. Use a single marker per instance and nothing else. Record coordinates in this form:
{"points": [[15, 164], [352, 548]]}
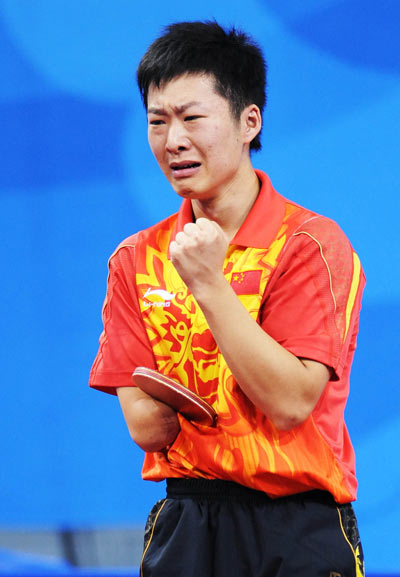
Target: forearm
{"points": [[282, 386], [152, 425]]}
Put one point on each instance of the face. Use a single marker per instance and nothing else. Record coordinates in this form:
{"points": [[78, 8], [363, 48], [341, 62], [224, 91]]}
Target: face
{"points": [[200, 147]]}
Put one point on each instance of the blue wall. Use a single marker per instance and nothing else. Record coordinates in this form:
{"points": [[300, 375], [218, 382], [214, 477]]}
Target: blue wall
{"points": [[76, 177]]}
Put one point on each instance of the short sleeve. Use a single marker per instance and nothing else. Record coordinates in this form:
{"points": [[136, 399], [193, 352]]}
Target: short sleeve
{"points": [[313, 303], [123, 343]]}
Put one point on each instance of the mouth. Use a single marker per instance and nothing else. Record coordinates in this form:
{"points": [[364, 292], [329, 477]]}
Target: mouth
{"points": [[184, 169], [181, 166]]}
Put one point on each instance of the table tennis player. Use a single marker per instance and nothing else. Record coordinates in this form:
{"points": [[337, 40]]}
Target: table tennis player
{"points": [[251, 302]]}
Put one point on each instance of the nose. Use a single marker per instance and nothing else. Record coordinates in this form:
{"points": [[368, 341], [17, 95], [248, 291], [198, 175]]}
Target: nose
{"points": [[177, 139]]}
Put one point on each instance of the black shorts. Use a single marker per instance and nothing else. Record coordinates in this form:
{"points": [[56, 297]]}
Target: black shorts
{"points": [[220, 529]]}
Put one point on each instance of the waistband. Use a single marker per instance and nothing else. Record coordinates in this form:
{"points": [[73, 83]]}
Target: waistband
{"points": [[220, 490]]}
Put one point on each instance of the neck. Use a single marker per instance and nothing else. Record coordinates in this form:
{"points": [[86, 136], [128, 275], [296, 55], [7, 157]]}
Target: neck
{"points": [[231, 208]]}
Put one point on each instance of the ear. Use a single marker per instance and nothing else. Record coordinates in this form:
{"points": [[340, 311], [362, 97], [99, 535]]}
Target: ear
{"points": [[251, 122]]}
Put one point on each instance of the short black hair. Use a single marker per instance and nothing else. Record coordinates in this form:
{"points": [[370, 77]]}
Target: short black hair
{"points": [[231, 56]]}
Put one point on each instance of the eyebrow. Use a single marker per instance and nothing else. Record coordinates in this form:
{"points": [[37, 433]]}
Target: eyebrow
{"points": [[178, 109]]}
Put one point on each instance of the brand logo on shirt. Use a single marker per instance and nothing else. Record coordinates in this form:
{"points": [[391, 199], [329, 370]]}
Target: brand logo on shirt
{"points": [[157, 298]]}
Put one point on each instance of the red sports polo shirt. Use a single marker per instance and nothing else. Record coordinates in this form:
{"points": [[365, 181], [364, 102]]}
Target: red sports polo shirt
{"points": [[298, 276]]}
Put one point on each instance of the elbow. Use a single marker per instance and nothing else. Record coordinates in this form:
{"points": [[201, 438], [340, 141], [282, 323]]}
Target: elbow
{"points": [[153, 435], [288, 420], [292, 413], [152, 425], [148, 442], [286, 424]]}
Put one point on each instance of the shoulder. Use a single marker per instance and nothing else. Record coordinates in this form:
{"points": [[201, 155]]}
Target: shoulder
{"points": [[304, 226], [301, 220], [325, 235], [313, 238], [320, 248]]}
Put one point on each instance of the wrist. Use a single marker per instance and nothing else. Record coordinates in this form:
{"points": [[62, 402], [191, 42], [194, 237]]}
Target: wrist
{"points": [[206, 293]]}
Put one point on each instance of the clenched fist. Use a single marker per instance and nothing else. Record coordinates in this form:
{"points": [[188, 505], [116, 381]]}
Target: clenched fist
{"points": [[198, 253]]}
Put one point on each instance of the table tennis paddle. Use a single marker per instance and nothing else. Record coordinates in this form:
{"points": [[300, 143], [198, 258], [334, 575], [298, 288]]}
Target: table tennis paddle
{"points": [[175, 395]]}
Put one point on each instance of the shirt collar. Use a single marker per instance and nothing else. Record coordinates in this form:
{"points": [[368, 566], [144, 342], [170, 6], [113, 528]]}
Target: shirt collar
{"points": [[262, 223]]}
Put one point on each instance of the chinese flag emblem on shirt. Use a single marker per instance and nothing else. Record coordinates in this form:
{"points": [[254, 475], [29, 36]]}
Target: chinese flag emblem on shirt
{"points": [[247, 282]]}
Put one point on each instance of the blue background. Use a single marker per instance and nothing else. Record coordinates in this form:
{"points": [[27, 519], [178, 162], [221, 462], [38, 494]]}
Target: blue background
{"points": [[76, 177]]}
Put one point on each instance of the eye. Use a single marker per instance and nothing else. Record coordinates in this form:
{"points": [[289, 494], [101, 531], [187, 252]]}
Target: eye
{"points": [[192, 117], [157, 122]]}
